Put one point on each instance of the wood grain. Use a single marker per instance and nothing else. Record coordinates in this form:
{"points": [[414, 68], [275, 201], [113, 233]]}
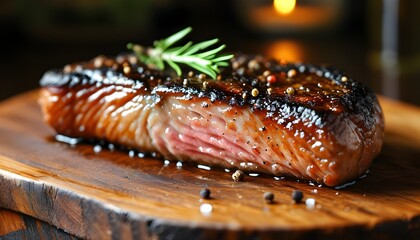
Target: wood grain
{"points": [[18, 226], [110, 195], [11, 222]]}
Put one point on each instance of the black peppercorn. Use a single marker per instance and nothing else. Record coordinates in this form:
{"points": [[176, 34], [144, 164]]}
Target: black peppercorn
{"points": [[268, 197], [297, 196], [205, 193]]}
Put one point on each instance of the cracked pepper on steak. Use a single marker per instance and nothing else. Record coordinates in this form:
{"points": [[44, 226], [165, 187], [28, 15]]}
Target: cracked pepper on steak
{"points": [[259, 115]]}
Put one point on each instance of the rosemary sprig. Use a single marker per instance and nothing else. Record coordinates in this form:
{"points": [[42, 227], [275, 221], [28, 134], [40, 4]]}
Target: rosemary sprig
{"points": [[193, 55]]}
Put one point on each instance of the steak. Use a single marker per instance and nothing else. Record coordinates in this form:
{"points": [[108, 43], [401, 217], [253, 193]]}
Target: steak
{"points": [[259, 115]]}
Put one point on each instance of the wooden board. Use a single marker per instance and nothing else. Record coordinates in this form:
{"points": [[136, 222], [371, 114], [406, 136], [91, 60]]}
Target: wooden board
{"points": [[17, 226], [110, 195]]}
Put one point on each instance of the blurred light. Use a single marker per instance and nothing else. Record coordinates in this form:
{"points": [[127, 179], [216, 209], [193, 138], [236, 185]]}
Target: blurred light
{"points": [[389, 54], [285, 50], [284, 6]]}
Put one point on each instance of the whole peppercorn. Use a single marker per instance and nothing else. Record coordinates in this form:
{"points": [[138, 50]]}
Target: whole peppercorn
{"points": [[205, 193], [253, 65], [133, 60], [268, 197], [67, 68], [137, 48], [291, 73], [205, 84], [235, 65], [266, 73], [201, 76], [240, 71], [255, 92], [98, 61], [244, 95], [238, 175], [297, 196], [271, 79]]}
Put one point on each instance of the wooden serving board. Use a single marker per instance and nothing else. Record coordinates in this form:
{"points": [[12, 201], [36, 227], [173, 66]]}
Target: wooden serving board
{"points": [[110, 195]]}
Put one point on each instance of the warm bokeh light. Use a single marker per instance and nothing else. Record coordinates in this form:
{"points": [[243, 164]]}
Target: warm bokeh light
{"points": [[285, 50], [284, 6]]}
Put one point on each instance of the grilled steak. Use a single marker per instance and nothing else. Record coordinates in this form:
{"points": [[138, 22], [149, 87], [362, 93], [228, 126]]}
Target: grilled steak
{"points": [[259, 115]]}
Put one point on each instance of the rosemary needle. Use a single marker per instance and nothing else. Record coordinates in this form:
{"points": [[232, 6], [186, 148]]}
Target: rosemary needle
{"points": [[197, 56]]}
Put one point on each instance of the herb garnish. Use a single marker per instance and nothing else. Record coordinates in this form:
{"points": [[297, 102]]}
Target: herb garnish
{"points": [[207, 61]]}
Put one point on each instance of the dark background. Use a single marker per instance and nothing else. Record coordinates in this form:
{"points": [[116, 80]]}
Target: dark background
{"points": [[40, 35]]}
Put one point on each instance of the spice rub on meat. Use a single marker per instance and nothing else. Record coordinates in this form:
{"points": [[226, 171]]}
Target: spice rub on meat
{"points": [[259, 115]]}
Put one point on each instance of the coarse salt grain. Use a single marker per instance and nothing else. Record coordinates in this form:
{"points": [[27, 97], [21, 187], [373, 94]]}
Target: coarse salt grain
{"points": [[206, 209], [131, 153], [97, 148], [310, 203]]}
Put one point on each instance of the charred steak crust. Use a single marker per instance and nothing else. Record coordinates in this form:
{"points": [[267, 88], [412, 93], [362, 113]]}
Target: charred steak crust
{"points": [[339, 119]]}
